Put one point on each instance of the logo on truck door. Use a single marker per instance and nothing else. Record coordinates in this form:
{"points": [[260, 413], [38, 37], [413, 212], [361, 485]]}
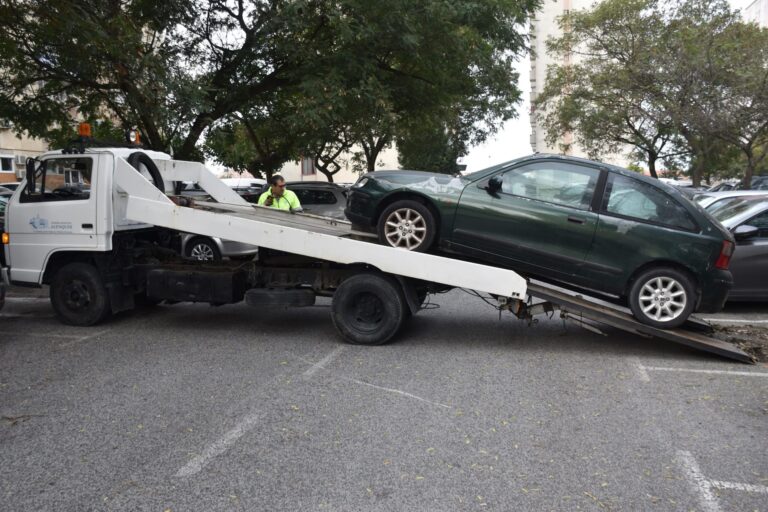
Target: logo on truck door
{"points": [[44, 225]]}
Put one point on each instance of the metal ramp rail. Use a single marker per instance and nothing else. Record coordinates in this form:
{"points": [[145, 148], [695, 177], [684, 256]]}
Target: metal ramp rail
{"points": [[576, 308]]}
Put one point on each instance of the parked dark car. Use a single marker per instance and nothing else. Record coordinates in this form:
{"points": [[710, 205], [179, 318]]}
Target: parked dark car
{"points": [[747, 219], [569, 220], [759, 182], [318, 197]]}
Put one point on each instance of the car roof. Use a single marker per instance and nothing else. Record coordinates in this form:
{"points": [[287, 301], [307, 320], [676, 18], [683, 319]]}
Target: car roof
{"points": [[319, 184], [737, 213]]}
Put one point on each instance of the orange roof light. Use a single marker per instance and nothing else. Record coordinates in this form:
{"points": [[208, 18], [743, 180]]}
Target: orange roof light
{"points": [[135, 137], [84, 130]]}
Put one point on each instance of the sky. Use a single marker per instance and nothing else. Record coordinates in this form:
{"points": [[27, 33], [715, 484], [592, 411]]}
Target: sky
{"points": [[513, 137]]}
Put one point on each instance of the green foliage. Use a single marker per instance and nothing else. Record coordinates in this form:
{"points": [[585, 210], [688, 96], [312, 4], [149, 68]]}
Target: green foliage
{"points": [[179, 68], [680, 80]]}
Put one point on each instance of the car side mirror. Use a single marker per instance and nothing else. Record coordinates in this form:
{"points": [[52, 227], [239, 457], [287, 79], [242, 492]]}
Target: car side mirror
{"points": [[745, 232], [494, 185]]}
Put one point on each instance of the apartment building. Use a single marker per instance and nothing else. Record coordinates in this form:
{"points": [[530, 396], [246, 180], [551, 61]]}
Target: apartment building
{"points": [[757, 11], [543, 27], [14, 152]]}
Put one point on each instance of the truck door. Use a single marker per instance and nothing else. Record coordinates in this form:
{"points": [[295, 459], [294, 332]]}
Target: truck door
{"points": [[58, 213]]}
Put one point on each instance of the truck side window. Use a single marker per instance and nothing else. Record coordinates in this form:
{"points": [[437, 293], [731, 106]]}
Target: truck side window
{"points": [[63, 179]]}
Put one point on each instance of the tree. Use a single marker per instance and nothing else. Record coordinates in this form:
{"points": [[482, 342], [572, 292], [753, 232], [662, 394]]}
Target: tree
{"points": [[673, 80], [176, 69]]}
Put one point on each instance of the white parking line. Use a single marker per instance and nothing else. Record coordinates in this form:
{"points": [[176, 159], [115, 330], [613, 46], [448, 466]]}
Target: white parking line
{"points": [[711, 372], [321, 364], [42, 335], [83, 338], [761, 489], [220, 446], [397, 392], [695, 477], [735, 321], [640, 369]]}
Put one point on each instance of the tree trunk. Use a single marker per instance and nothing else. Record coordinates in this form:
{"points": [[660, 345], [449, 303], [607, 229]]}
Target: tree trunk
{"points": [[749, 172], [652, 157]]}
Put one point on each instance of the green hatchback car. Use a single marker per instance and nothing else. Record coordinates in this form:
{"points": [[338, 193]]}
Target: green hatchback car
{"points": [[576, 222]]}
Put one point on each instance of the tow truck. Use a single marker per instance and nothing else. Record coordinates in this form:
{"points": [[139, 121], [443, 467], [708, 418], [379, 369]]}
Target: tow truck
{"points": [[96, 224]]}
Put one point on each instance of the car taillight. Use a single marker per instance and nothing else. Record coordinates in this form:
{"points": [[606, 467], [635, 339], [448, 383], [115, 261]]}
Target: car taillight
{"points": [[725, 255]]}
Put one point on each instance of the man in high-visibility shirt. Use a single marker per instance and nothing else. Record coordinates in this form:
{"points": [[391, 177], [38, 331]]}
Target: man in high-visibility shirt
{"points": [[279, 197]]}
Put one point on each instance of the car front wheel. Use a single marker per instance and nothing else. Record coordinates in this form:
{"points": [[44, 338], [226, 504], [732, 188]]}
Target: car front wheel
{"points": [[662, 297], [407, 224]]}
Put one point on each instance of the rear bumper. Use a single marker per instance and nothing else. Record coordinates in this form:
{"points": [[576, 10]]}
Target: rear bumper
{"points": [[715, 291]]}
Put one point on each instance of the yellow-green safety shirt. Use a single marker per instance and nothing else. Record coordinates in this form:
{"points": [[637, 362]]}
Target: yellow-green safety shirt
{"points": [[288, 201]]}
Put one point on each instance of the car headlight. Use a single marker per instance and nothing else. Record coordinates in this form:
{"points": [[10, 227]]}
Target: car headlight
{"points": [[361, 183]]}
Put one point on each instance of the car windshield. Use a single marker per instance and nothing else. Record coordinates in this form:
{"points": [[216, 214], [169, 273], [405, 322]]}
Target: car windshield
{"points": [[737, 206]]}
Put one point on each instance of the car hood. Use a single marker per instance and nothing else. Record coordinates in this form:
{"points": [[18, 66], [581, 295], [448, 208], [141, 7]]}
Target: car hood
{"points": [[420, 180]]}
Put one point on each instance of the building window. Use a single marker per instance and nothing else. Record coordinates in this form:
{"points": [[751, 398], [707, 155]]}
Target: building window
{"points": [[6, 163], [307, 167]]}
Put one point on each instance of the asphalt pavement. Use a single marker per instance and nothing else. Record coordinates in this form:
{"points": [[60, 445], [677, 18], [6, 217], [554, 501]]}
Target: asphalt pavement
{"points": [[191, 407]]}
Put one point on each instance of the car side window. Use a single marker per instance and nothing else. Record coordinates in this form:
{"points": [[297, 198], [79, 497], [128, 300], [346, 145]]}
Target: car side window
{"points": [[63, 179], [634, 199], [566, 185], [310, 197], [760, 222]]}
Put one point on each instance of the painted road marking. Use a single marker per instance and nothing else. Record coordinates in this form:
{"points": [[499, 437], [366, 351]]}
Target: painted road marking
{"points": [[83, 338], [397, 392], [321, 365], [711, 372], [640, 369], [220, 446], [704, 486], [698, 481], [736, 321]]}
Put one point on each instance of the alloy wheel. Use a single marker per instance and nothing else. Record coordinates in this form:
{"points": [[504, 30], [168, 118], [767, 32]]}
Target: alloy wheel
{"points": [[663, 299], [202, 252], [405, 228]]}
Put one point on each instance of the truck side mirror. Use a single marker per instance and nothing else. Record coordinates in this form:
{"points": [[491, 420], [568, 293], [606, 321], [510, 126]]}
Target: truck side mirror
{"points": [[745, 232], [494, 185]]}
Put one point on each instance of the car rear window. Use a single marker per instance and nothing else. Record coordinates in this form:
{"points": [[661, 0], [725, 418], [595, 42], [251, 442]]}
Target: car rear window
{"points": [[634, 199]]}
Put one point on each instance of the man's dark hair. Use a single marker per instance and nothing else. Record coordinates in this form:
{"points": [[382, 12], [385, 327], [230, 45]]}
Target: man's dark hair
{"points": [[274, 180]]}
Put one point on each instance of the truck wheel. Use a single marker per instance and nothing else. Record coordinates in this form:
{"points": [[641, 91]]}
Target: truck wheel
{"points": [[407, 224], [78, 295], [368, 309], [203, 249], [662, 297]]}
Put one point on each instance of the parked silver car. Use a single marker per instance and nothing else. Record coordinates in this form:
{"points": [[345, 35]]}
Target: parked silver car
{"points": [[709, 200], [207, 248], [747, 218]]}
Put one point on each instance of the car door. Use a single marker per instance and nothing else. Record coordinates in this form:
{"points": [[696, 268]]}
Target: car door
{"points": [[59, 213], [749, 264], [541, 219], [639, 223]]}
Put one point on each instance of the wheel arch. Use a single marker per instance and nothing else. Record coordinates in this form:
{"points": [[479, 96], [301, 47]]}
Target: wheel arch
{"points": [[658, 264], [409, 195], [59, 259]]}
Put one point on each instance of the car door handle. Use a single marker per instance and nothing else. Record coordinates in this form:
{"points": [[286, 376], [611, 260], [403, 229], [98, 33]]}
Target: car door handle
{"points": [[575, 220], [87, 226]]}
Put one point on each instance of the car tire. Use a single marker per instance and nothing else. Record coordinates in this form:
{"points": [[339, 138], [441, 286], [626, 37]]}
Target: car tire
{"points": [[407, 224], [202, 249], [662, 297], [79, 296], [368, 309]]}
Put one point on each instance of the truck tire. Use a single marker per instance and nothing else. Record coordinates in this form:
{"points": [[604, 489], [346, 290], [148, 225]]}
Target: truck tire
{"points": [[368, 309], [140, 158], [78, 295]]}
